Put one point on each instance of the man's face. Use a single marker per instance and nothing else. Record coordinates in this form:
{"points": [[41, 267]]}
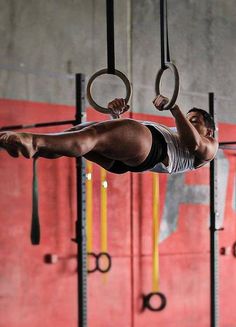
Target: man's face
{"points": [[197, 120]]}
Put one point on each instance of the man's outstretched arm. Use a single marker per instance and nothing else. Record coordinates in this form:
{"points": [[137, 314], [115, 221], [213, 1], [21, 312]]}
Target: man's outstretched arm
{"points": [[203, 146]]}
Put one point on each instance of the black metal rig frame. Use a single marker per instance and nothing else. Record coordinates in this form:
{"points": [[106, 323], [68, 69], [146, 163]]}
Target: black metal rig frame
{"points": [[214, 252]]}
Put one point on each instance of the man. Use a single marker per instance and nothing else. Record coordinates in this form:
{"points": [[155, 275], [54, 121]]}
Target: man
{"points": [[123, 145]]}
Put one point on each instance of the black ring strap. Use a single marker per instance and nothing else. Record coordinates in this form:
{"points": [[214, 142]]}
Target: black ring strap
{"points": [[165, 48], [110, 37], [35, 225]]}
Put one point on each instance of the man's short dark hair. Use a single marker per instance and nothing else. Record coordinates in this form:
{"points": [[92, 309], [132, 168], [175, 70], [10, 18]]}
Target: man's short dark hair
{"points": [[209, 121]]}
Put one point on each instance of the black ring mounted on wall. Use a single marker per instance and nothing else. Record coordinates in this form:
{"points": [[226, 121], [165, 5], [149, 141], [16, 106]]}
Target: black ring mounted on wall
{"points": [[97, 258], [234, 249], [147, 301], [35, 224]]}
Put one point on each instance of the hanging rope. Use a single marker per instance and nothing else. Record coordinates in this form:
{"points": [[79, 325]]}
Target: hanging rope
{"points": [[165, 56]]}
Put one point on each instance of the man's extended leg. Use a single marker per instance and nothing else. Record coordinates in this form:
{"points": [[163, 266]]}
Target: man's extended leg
{"points": [[124, 139], [92, 156], [9, 141]]}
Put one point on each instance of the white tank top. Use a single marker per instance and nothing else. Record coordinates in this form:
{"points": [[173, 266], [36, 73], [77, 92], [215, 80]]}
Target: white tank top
{"points": [[180, 159]]}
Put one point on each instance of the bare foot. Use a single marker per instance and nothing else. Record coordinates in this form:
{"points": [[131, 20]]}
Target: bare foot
{"points": [[18, 143], [12, 150]]}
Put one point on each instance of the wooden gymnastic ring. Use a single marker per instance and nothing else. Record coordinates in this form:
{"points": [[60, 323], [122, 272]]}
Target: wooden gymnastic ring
{"points": [[103, 72], [173, 68], [147, 301]]}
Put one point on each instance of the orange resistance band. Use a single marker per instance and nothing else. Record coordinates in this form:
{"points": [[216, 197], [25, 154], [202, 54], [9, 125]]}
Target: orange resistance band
{"points": [[89, 205], [104, 186], [155, 232]]}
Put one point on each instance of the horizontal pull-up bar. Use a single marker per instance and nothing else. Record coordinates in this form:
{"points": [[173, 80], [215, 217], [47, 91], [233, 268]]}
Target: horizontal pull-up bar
{"points": [[227, 143], [37, 125]]}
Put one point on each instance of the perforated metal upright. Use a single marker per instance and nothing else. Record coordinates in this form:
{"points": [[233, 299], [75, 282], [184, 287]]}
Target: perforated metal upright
{"points": [[80, 238], [214, 252]]}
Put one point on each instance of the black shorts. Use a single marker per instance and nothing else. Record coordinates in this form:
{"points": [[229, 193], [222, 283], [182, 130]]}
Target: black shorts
{"points": [[157, 154]]}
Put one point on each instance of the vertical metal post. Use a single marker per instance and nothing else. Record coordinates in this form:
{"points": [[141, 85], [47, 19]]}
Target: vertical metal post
{"points": [[80, 237], [213, 232]]}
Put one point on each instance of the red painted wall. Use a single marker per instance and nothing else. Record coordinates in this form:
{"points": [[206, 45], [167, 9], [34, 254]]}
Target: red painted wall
{"points": [[33, 293]]}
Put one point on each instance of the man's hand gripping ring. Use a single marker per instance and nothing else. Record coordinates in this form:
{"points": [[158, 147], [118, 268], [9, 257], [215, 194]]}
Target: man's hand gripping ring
{"points": [[173, 68], [103, 72]]}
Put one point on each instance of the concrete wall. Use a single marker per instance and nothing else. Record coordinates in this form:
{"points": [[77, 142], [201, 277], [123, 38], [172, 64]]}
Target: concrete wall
{"points": [[44, 42]]}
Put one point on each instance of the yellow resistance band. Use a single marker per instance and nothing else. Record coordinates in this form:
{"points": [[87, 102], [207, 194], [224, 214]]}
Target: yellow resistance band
{"points": [[155, 232], [104, 186], [89, 205]]}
